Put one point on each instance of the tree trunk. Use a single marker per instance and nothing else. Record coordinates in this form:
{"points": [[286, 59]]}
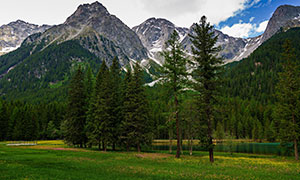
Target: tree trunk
{"points": [[209, 129], [127, 146], [296, 149], [104, 146], [191, 146], [211, 154], [295, 141], [138, 147], [177, 128], [170, 140], [114, 146]]}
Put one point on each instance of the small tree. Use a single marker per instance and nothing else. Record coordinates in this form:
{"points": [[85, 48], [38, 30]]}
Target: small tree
{"points": [[206, 76], [287, 110], [174, 76]]}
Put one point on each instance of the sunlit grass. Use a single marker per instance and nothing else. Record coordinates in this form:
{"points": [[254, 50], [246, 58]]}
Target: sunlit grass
{"points": [[55, 160]]}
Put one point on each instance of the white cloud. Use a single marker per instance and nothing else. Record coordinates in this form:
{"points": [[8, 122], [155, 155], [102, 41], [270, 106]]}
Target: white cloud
{"points": [[184, 13], [238, 30], [244, 30], [132, 12], [251, 19], [262, 26]]}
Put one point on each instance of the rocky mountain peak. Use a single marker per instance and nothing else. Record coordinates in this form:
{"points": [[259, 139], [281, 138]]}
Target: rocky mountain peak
{"points": [[154, 32], [280, 18], [13, 34], [87, 11]]}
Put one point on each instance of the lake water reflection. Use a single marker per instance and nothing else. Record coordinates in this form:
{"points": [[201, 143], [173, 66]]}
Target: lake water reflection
{"points": [[244, 147]]}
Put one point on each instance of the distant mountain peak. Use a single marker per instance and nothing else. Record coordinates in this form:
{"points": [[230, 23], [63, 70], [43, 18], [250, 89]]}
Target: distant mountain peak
{"points": [[280, 18], [86, 11]]}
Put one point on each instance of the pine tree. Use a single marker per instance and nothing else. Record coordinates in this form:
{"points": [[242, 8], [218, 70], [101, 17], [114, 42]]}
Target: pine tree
{"points": [[174, 76], [3, 121], [100, 109], [127, 110], [116, 103], [206, 76], [287, 110], [90, 97], [136, 126], [76, 110]]}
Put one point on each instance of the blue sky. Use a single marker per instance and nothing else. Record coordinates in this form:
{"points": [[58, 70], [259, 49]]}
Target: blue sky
{"points": [[252, 21], [238, 18]]}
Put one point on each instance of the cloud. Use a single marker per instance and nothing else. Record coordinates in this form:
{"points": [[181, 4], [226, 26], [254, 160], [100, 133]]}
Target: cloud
{"points": [[251, 19], [184, 13], [244, 30], [238, 30], [262, 26]]}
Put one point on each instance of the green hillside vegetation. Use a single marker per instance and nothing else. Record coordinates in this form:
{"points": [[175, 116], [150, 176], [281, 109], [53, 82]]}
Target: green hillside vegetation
{"points": [[256, 76], [50, 68]]}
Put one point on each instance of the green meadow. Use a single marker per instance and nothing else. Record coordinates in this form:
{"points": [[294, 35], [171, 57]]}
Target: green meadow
{"points": [[54, 160]]}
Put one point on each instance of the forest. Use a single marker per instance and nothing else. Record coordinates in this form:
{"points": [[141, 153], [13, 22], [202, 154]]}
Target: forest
{"points": [[257, 98]]}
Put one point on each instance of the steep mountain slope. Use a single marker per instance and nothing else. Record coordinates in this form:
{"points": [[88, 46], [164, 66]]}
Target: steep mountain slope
{"points": [[155, 32], [256, 76], [282, 17], [47, 60], [14, 33], [98, 31]]}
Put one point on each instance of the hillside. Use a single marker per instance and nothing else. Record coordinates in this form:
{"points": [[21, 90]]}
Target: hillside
{"points": [[43, 70], [256, 76]]}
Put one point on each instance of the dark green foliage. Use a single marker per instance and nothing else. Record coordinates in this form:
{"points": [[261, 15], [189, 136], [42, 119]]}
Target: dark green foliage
{"points": [[206, 76], [14, 58], [3, 120], [288, 95], [256, 76], [174, 76], [115, 101], [136, 125], [51, 67], [76, 112]]}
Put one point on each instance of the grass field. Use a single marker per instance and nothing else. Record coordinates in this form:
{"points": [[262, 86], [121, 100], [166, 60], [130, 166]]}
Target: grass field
{"points": [[54, 160]]}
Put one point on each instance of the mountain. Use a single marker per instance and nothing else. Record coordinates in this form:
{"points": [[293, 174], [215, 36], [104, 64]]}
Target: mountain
{"points": [[98, 31], [256, 76], [154, 33], [14, 33], [47, 60], [284, 16]]}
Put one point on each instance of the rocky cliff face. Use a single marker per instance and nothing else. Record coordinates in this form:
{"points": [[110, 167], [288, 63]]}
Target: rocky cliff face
{"points": [[98, 31], [154, 33], [284, 16], [14, 33]]}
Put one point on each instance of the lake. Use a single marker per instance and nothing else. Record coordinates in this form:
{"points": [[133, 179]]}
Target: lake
{"points": [[241, 147]]}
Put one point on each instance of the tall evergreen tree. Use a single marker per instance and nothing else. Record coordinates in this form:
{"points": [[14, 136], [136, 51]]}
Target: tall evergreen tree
{"points": [[76, 112], [3, 121], [127, 109], [206, 76], [115, 101], [136, 125], [288, 94], [100, 110], [174, 76]]}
